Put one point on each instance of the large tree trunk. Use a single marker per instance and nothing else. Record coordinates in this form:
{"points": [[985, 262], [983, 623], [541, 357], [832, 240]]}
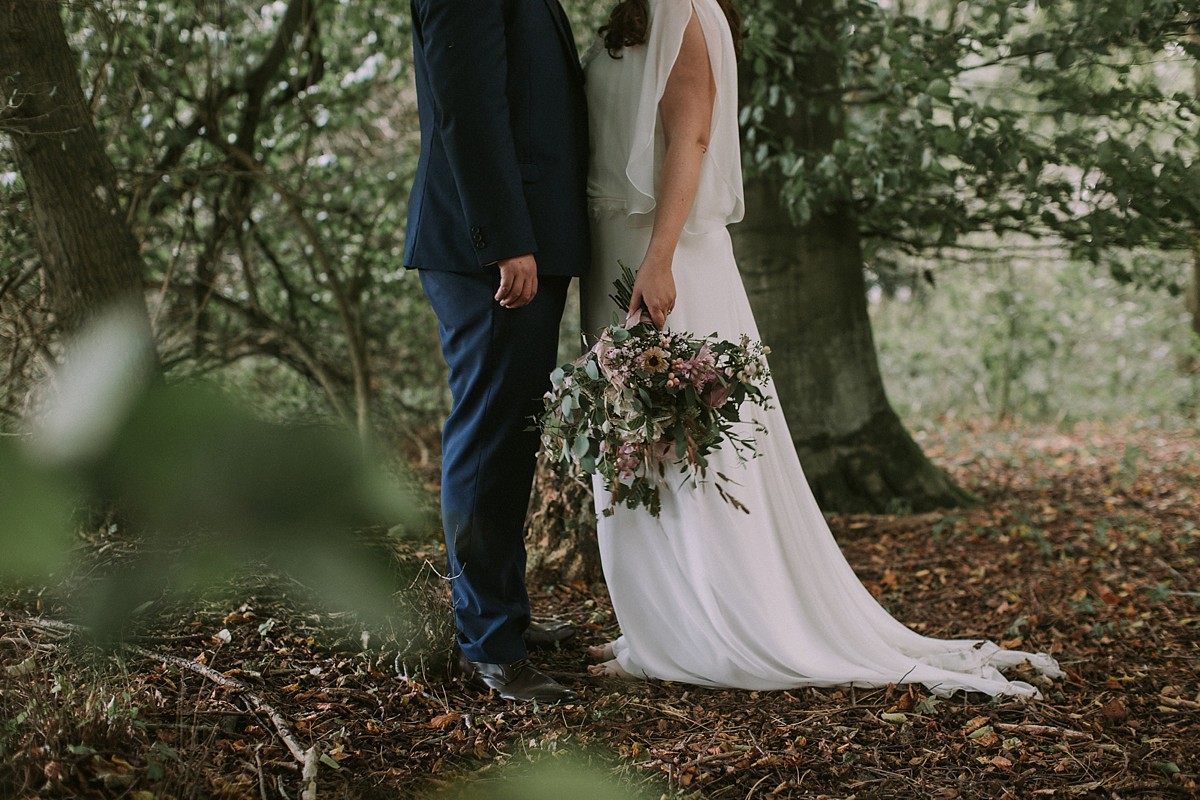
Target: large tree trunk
{"points": [[89, 255], [809, 296]]}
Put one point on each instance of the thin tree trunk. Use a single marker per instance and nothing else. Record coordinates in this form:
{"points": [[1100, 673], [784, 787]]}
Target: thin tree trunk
{"points": [[1194, 288], [561, 542], [1193, 297], [807, 287], [88, 253]]}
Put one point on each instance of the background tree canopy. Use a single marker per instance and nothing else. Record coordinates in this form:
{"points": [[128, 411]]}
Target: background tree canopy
{"points": [[1071, 121], [263, 153]]}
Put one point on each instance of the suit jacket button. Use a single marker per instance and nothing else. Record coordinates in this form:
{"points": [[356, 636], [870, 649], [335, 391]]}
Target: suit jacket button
{"points": [[480, 244], [475, 230]]}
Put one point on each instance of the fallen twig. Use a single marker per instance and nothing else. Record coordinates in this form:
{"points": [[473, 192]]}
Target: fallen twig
{"points": [[1178, 702], [1041, 730], [308, 776], [277, 719], [705, 759]]}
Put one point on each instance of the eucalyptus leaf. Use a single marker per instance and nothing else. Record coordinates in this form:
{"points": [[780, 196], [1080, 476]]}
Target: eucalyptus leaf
{"points": [[581, 446]]}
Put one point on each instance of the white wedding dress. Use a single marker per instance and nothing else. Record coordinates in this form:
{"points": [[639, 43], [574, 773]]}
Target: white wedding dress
{"points": [[707, 594]]}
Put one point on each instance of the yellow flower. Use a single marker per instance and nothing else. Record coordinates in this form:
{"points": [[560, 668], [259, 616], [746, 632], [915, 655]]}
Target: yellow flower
{"points": [[654, 359]]}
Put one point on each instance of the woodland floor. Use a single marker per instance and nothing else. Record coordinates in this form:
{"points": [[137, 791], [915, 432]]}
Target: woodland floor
{"points": [[1087, 546]]}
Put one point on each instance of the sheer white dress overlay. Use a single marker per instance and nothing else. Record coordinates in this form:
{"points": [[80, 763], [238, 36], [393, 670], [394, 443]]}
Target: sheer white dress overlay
{"points": [[707, 594]]}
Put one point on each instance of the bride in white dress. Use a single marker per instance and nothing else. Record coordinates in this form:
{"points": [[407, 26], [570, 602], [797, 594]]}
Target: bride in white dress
{"points": [[706, 594]]}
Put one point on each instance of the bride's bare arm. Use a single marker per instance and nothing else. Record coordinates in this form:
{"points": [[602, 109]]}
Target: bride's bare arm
{"points": [[686, 110]]}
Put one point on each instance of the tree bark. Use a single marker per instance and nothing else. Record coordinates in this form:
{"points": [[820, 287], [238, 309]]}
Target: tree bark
{"points": [[1194, 287], [561, 543], [89, 255], [1193, 293], [807, 287]]}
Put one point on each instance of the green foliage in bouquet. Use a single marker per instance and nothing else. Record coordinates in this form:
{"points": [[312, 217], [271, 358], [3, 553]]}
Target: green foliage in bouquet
{"points": [[642, 400]]}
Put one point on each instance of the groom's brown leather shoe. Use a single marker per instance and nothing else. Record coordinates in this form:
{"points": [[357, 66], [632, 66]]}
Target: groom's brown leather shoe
{"points": [[548, 633], [519, 681]]}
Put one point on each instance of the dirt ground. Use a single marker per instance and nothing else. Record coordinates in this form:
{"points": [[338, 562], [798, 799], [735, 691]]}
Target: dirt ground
{"points": [[1087, 546]]}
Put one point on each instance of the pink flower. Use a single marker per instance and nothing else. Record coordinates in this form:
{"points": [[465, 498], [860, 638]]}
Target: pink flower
{"points": [[606, 354], [662, 450], [628, 460], [716, 395]]}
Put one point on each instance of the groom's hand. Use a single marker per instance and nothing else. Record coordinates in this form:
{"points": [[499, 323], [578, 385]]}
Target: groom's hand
{"points": [[518, 281]]}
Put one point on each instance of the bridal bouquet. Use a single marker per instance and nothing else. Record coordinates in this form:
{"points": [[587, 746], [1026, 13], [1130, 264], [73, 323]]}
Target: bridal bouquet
{"points": [[642, 400]]}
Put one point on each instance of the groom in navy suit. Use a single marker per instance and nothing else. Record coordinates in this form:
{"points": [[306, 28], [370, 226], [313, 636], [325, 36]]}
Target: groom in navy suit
{"points": [[497, 226]]}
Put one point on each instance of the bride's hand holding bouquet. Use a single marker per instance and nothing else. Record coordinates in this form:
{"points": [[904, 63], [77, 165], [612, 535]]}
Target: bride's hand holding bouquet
{"points": [[643, 399], [652, 292]]}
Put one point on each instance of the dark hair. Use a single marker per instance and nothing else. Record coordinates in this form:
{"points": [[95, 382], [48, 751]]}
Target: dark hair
{"points": [[628, 23]]}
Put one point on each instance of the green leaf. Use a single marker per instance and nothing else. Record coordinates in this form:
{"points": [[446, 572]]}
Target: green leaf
{"points": [[977, 733], [581, 446], [548, 779], [35, 515], [939, 88], [928, 705], [26, 667], [947, 140]]}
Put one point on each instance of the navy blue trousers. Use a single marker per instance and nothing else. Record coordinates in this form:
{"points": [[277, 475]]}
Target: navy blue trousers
{"points": [[500, 363]]}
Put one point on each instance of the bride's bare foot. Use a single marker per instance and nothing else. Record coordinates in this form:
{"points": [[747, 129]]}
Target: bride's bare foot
{"points": [[601, 652], [609, 669]]}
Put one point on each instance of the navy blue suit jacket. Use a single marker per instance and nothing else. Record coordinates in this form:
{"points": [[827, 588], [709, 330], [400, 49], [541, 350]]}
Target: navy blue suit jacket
{"points": [[504, 143]]}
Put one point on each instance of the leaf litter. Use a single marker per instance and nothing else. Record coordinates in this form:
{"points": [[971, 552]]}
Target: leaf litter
{"points": [[1086, 545]]}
